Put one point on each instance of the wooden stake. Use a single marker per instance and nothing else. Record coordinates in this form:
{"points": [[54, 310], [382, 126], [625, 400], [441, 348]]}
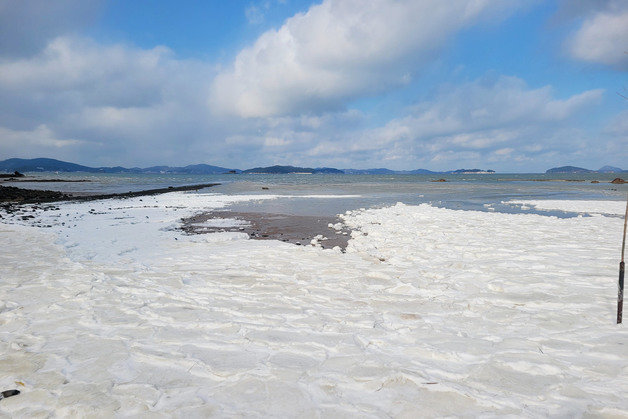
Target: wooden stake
{"points": [[620, 292], [622, 268]]}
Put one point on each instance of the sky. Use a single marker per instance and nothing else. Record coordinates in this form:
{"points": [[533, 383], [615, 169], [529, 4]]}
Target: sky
{"points": [[508, 85]]}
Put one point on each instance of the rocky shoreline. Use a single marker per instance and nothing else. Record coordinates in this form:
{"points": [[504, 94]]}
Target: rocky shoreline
{"points": [[14, 195]]}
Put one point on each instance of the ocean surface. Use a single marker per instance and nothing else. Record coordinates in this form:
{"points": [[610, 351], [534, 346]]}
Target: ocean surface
{"points": [[461, 191]]}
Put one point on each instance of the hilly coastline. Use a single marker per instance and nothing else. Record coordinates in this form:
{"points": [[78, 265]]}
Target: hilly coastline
{"points": [[574, 169], [53, 165]]}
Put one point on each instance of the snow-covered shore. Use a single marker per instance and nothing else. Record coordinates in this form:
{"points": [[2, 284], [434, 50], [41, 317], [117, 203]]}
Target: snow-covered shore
{"points": [[586, 207], [431, 312]]}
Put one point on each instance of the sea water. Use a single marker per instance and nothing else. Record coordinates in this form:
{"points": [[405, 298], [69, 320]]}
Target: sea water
{"points": [[485, 295], [480, 192]]}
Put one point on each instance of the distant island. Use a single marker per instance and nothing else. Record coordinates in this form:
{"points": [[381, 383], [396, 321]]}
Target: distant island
{"points": [[574, 169], [53, 165]]}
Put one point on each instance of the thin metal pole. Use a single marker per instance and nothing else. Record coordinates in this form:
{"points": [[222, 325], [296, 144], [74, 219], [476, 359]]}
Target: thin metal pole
{"points": [[622, 268]]}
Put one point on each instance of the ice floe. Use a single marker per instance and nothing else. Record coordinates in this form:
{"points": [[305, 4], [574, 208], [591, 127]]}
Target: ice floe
{"points": [[431, 312], [583, 207]]}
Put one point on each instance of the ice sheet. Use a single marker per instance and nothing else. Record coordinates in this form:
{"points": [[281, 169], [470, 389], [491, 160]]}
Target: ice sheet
{"points": [[584, 207], [431, 312]]}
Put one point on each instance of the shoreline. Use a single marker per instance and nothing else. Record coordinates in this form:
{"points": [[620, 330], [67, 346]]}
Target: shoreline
{"points": [[295, 229], [11, 195], [27, 180]]}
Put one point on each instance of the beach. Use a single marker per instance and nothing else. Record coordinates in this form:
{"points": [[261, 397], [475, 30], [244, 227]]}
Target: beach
{"points": [[116, 310], [313, 209]]}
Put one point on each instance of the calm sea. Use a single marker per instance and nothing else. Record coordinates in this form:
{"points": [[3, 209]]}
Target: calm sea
{"points": [[347, 192]]}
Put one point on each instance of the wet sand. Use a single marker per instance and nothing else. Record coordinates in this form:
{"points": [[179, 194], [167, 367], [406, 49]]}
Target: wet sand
{"points": [[296, 229]]}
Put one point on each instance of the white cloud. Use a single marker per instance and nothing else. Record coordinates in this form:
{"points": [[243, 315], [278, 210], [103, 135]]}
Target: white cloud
{"points": [[339, 50], [498, 120], [125, 101], [118, 75], [481, 106], [76, 99], [615, 144], [28, 25], [276, 142], [254, 15], [603, 38], [38, 142]]}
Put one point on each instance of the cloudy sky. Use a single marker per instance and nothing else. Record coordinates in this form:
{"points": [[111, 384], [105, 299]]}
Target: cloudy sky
{"points": [[512, 85]]}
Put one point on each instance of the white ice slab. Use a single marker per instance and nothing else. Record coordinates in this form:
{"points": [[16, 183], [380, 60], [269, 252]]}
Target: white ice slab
{"points": [[584, 207], [431, 312]]}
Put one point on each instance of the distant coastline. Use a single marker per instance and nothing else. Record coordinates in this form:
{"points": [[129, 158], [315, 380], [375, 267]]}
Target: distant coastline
{"points": [[574, 169], [53, 165]]}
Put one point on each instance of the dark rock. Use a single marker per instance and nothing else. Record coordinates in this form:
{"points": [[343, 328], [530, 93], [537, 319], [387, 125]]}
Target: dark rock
{"points": [[13, 194], [439, 180], [618, 181], [9, 393]]}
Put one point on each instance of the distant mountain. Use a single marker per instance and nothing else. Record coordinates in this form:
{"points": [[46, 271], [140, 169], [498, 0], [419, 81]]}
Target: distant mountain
{"points": [[292, 169], [329, 170], [42, 165], [52, 165], [569, 169], [610, 169]]}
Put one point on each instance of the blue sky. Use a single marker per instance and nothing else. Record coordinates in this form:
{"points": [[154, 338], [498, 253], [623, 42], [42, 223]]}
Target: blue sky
{"points": [[516, 86]]}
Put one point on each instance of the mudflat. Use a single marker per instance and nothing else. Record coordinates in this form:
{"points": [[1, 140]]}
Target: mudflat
{"points": [[296, 229]]}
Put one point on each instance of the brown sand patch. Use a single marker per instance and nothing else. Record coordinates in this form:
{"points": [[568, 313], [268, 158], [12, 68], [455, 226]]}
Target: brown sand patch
{"points": [[296, 229]]}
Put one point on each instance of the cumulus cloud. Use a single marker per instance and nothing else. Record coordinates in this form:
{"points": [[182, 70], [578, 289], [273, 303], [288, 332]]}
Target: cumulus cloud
{"points": [[286, 99], [41, 140], [493, 119], [27, 25], [603, 36], [339, 50], [119, 98]]}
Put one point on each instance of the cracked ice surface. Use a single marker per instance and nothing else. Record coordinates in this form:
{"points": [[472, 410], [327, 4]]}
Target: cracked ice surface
{"points": [[430, 312]]}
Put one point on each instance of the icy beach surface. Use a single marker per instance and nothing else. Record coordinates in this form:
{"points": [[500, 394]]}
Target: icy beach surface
{"points": [[430, 312], [582, 207]]}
